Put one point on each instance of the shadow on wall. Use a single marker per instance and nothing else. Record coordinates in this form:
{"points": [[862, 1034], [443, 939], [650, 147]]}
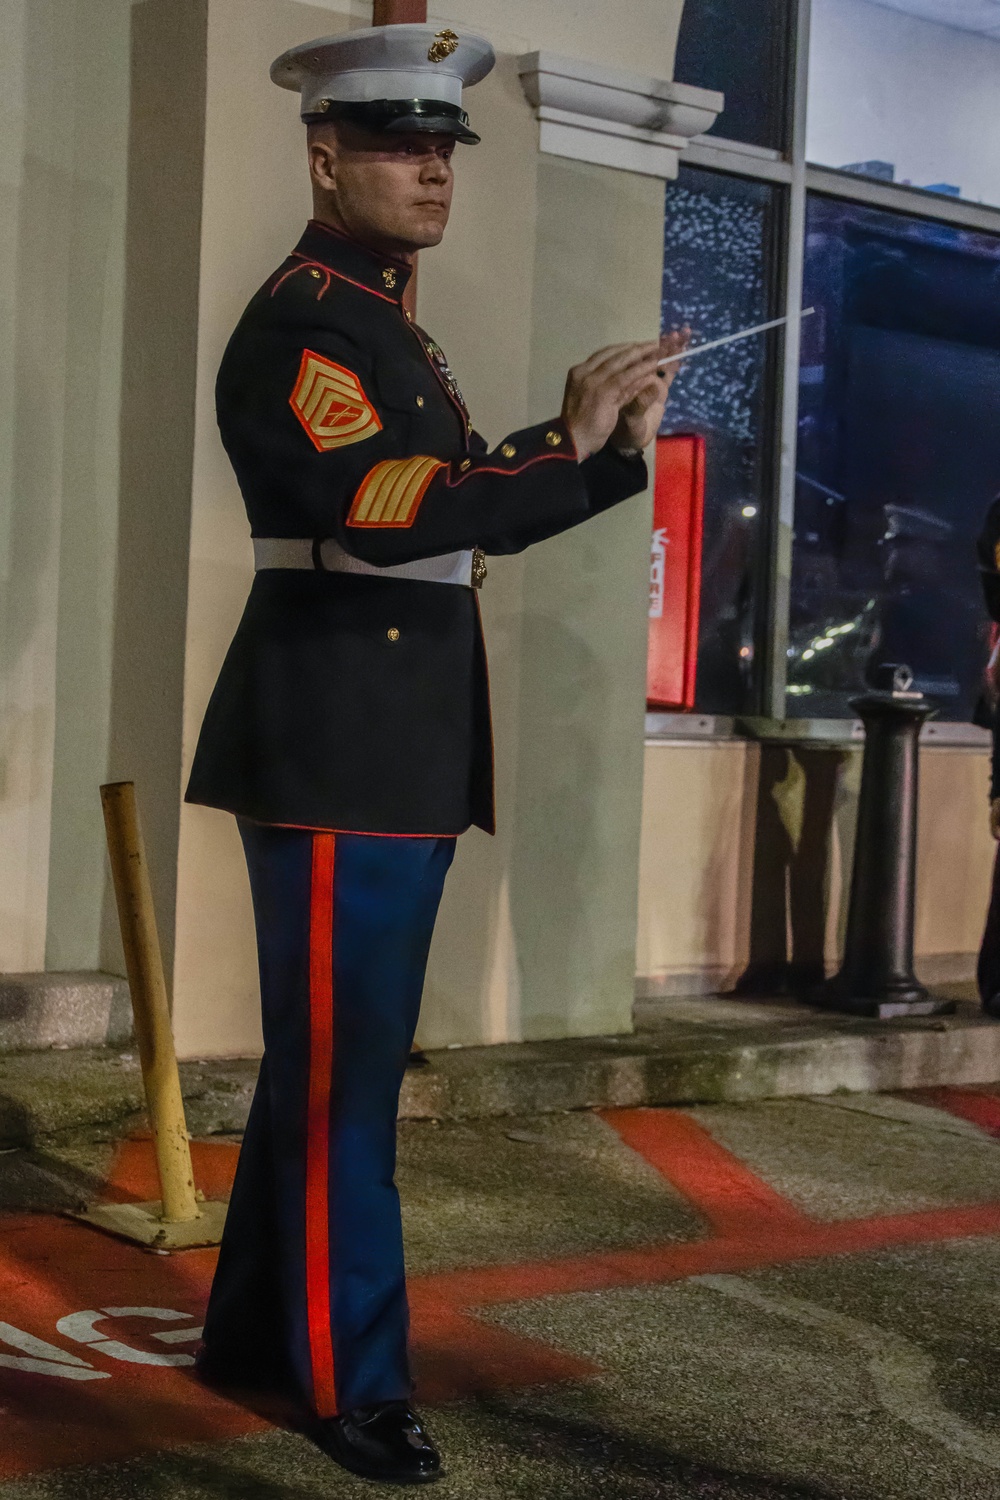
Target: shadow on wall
{"points": [[799, 791], [732, 842]]}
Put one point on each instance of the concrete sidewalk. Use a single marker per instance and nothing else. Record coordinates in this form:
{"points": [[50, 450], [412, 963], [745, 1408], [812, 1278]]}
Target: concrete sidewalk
{"points": [[701, 1051]]}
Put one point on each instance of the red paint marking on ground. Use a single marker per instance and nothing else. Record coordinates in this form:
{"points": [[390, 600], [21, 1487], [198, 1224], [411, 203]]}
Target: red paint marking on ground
{"points": [[484, 1286], [717, 1183], [133, 1176], [981, 1109], [50, 1267]]}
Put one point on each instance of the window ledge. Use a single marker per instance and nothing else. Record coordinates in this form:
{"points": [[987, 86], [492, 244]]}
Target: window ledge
{"points": [[662, 727], [688, 728], [613, 118]]}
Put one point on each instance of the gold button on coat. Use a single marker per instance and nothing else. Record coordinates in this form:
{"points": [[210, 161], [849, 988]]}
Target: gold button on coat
{"points": [[508, 450], [420, 400], [465, 464], [553, 438], [392, 634]]}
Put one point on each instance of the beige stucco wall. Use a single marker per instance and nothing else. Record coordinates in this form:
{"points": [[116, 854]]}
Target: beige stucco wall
{"points": [[642, 37], [64, 111], [703, 860]]}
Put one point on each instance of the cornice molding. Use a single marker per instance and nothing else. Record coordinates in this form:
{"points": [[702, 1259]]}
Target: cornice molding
{"points": [[612, 117]]}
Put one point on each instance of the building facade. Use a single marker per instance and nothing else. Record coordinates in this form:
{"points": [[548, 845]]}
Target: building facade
{"points": [[153, 177]]}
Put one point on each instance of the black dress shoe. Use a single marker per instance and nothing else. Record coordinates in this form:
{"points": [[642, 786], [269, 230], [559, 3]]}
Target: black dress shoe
{"points": [[387, 1442]]}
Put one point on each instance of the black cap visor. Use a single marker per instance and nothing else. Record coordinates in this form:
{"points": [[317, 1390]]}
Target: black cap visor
{"points": [[399, 117]]}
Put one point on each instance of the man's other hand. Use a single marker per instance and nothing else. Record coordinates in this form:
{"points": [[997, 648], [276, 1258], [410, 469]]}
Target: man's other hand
{"points": [[995, 817]]}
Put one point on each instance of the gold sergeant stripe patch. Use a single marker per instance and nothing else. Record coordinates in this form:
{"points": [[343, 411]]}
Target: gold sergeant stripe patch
{"points": [[391, 493], [331, 405]]}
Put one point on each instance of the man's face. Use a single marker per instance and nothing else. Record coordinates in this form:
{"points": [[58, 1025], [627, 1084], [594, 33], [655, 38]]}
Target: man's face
{"points": [[392, 192]]}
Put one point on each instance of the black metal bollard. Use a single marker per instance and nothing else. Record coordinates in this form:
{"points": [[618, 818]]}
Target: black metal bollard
{"points": [[876, 977]]}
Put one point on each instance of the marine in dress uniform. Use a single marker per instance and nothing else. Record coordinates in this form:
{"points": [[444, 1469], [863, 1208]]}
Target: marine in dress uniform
{"points": [[349, 732]]}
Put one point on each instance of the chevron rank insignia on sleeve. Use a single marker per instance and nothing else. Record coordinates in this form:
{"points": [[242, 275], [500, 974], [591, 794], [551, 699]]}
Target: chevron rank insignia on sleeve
{"points": [[391, 493], [331, 405]]}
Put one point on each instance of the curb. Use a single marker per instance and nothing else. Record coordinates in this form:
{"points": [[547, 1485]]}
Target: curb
{"points": [[711, 1052]]}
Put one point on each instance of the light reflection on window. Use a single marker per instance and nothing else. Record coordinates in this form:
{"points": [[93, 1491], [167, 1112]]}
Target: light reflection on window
{"points": [[898, 457], [717, 277]]}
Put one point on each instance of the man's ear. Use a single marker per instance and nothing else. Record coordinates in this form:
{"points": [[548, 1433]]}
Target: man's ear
{"points": [[322, 155]]}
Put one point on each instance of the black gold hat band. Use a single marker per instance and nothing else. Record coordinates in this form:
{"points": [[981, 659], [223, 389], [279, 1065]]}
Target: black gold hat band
{"points": [[396, 116]]}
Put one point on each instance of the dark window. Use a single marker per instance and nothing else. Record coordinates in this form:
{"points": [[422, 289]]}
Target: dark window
{"points": [[898, 457], [719, 275], [742, 48]]}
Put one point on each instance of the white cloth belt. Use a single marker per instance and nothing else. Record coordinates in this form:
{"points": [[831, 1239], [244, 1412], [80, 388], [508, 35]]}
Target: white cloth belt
{"points": [[300, 552]]}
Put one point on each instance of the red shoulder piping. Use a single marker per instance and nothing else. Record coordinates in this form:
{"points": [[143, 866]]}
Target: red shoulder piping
{"points": [[310, 261]]}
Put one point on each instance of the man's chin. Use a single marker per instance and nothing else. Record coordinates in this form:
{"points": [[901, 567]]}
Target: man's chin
{"points": [[430, 233]]}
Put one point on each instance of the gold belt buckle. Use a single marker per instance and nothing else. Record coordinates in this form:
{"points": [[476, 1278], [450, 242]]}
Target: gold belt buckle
{"points": [[478, 567]]}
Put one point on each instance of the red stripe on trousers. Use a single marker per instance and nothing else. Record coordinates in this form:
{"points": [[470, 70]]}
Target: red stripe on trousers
{"points": [[317, 1236]]}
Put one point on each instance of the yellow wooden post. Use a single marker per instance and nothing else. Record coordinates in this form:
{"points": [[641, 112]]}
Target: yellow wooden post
{"points": [[144, 966]]}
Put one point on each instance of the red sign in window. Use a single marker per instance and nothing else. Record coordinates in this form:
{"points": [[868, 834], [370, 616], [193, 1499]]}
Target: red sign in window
{"points": [[675, 571]]}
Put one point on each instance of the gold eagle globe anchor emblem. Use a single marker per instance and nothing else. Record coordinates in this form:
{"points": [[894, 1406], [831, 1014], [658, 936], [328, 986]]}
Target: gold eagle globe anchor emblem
{"points": [[442, 46]]}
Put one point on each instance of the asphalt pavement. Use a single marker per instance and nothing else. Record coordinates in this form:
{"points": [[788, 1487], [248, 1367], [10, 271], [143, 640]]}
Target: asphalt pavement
{"points": [[791, 1298]]}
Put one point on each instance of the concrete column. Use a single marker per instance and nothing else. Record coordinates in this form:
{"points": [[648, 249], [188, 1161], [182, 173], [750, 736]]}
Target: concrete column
{"points": [[577, 811], [546, 260], [64, 82], [162, 250]]}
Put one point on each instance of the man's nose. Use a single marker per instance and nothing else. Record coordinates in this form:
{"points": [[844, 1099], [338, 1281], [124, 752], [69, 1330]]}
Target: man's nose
{"points": [[435, 170]]}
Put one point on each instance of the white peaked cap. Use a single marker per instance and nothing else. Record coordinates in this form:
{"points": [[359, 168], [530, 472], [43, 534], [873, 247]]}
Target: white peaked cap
{"points": [[383, 63]]}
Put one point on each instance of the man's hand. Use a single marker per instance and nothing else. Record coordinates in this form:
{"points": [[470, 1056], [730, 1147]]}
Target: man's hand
{"points": [[619, 393], [639, 421], [995, 817], [597, 390]]}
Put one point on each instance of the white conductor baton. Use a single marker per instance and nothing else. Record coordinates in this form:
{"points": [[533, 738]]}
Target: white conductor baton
{"points": [[731, 338]]}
